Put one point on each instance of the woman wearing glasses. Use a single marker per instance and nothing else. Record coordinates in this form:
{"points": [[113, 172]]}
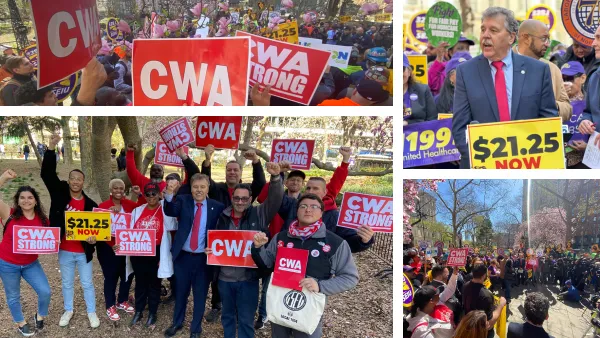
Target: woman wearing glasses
{"points": [[329, 255], [574, 78], [148, 270], [113, 266]]}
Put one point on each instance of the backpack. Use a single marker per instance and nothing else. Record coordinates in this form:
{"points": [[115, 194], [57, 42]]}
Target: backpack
{"points": [[5, 82]]}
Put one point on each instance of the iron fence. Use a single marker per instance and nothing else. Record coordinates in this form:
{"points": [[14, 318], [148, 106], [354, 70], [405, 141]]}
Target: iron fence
{"points": [[383, 249]]}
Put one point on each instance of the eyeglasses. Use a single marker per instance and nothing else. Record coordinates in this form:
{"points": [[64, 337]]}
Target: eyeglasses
{"points": [[312, 207], [151, 194], [241, 199], [544, 39]]}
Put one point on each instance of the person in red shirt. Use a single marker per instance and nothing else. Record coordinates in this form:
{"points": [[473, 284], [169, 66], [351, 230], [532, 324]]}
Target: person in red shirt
{"points": [[113, 266], [146, 268], [27, 211], [157, 172], [73, 254]]}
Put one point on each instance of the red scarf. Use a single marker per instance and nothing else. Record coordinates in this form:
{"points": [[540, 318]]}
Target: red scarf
{"points": [[304, 232]]}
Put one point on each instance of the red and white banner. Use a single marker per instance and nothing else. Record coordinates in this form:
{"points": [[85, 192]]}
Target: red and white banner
{"points": [[136, 242], [290, 267], [297, 152], [231, 248], [362, 209], [286, 67], [35, 240], [223, 132], [163, 156], [68, 37], [196, 72], [118, 220], [458, 257], [177, 134]]}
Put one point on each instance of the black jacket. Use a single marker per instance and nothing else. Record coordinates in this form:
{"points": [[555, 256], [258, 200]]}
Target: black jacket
{"points": [[423, 108], [589, 62], [220, 192], [9, 90], [60, 197]]}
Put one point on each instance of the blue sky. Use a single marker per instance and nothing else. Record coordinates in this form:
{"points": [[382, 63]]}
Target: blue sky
{"points": [[515, 189]]}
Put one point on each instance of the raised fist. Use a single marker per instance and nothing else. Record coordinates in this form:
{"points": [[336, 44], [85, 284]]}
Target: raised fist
{"points": [[136, 189], [209, 151], [54, 139], [285, 166], [250, 155], [260, 239], [273, 168], [179, 152], [346, 152], [172, 185], [8, 175]]}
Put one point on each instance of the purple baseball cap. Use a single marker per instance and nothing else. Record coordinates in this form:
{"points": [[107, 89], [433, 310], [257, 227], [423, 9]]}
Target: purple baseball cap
{"points": [[464, 39], [572, 68], [457, 59], [405, 62]]}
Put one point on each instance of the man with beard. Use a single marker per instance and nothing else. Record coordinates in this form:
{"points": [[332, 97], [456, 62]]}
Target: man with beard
{"points": [[69, 196], [223, 192], [533, 41], [137, 178], [239, 286]]}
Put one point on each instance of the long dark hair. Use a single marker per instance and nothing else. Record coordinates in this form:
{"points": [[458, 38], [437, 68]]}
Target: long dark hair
{"points": [[38, 209], [446, 97]]}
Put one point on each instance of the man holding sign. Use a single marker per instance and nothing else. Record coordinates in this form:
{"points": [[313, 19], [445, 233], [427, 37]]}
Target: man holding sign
{"points": [[69, 196], [13, 265], [238, 286], [503, 96], [329, 255]]}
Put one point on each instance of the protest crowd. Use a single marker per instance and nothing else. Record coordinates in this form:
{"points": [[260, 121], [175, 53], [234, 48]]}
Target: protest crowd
{"points": [[351, 61], [271, 250], [464, 292], [460, 108]]}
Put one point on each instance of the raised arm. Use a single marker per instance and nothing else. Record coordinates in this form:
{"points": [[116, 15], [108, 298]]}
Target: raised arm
{"points": [[340, 174], [5, 208], [269, 208], [135, 176], [48, 173], [258, 173]]}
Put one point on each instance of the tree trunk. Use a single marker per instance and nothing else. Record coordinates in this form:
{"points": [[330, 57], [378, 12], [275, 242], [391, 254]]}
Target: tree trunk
{"points": [[261, 133], [332, 8], [131, 135], [466, 14], [67, 138], [102, 129], [85, 145], [33, 147]]}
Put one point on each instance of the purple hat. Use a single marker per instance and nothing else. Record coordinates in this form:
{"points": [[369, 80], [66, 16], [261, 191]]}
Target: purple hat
{"points": [[572, 68], [559, 53], [407, 268], [456, 60], [464, 39], [405, 61]]}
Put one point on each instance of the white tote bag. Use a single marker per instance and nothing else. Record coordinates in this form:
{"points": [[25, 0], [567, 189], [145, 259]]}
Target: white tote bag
{"points": [[301, 311]]}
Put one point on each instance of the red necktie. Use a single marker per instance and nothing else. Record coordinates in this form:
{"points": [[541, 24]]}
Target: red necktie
{"points": [[501, 95], [196, 228]]}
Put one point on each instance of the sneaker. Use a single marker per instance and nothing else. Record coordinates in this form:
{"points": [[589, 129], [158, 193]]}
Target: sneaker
{"points": [[65, 318], [39, 324], [94, 321], [112, 314], [260, 323], [213, 315], [125, 306], [26, 331]]}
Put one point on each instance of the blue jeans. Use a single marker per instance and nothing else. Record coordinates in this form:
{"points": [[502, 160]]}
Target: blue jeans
{"points": [[26, 156], [34, 275], [68, 261], [239, 302], [262, 306], [506, 285]]}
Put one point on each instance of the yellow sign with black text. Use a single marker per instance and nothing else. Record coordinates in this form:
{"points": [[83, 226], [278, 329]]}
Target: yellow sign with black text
{"points": [[345, 18], [526, 144], [383, 17], [286, 32], [418, 63], [80, 225]]}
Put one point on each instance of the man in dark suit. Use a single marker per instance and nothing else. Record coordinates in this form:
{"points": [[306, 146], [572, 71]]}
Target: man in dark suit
{"points": [[536, 312], [196, 214], [491, 87], [591, 113]]}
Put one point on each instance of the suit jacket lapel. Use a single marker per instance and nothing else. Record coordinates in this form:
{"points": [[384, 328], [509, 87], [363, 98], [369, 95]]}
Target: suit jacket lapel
{"points": [[485, 74], [517, 87]]}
